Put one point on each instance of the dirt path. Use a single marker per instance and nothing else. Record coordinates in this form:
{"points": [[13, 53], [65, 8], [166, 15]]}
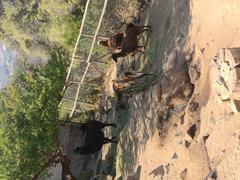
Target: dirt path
{"points": [[157, 143]]}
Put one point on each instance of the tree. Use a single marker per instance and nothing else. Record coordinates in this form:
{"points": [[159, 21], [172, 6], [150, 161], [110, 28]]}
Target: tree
{"points": [[29, 117]]}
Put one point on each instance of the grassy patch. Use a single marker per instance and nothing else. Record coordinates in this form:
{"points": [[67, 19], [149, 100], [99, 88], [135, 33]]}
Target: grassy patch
{"points": [[123, 116], [152, 51]]}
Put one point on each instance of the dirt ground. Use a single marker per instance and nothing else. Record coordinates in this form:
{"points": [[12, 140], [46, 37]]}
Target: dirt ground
{"points": [[184, 131]]}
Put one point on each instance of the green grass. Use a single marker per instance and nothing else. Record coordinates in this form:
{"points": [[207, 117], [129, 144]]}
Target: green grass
{"points": [[68, 104], [123, 116], [152, 51]]}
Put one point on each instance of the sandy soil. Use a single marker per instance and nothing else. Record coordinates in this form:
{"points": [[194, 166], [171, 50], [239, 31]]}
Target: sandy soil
{"points": [[157, 144]]}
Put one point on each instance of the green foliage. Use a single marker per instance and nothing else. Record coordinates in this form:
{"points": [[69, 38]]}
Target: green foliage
{"points": [[32, 26], [29, 117]]}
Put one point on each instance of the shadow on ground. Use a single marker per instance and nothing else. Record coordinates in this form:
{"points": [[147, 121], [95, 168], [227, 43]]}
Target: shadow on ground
{"points": [[170, 21]]}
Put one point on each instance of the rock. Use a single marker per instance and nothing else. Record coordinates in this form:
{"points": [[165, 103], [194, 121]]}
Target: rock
{"points": [[202, 50], [182, 118], [237, 84], [183, 174], [192, 130], [228, 84], [233, 56], [188, 91], [198, 153], [188, 58], [187, 144], [167, 168], [175, 156], [158, 171], [195, 71], [193, 106], [223, 90], [205, 138], [214, 175], [235, 105]]}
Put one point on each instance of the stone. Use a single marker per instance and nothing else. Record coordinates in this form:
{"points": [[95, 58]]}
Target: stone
{"points": [[198, 153], [175, 156], [202, 50], [228, 84], [183, 174], [223, 88], [194, 72], [182, 118], [235, 105], [158, 171], [192, 130], [214, 175], [167, 168], [187, 144], [233, 56], [188, 91], [193, 106], [237, 83], [188, 57], [205, 138]]}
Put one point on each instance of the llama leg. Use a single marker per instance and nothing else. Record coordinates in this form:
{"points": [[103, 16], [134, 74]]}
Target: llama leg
{"points": [[141, 47], [110, 124], [133, 53], [148, 28], [141, 30], [114, 141], [114, 137], [83, 127], [140, 50], [106, 140]]}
